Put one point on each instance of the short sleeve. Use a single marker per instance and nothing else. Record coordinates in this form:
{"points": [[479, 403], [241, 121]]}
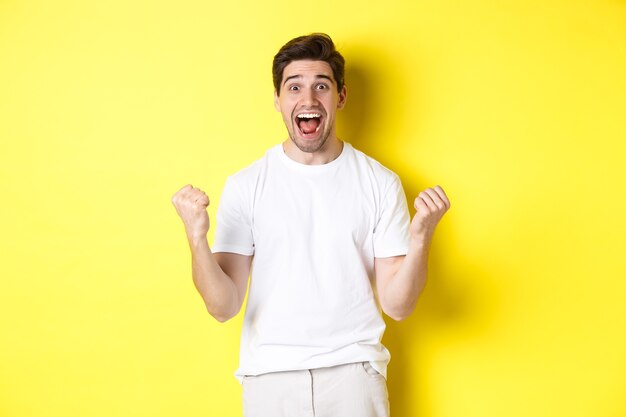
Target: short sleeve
{"points": [[391, 234], [233, 231]]}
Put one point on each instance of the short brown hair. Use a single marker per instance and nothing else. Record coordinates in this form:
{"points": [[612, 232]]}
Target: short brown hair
{"points": [[315, 47]]}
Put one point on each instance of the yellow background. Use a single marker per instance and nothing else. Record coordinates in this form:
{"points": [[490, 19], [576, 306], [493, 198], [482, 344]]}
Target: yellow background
{"points": [[516, 107]]}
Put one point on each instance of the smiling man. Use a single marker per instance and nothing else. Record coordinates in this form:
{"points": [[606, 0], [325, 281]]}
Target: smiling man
{"points": [[325, 231]]}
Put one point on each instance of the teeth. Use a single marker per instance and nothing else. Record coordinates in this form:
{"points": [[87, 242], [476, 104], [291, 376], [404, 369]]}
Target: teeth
{"points": [[308, 115]]}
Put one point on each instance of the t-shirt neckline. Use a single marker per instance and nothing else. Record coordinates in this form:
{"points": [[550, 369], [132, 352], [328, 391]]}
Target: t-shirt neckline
{"points": [[278, 149]]}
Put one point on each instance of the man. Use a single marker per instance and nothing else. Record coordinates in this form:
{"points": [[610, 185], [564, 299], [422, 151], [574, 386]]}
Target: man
{"points": [[328, 231]]}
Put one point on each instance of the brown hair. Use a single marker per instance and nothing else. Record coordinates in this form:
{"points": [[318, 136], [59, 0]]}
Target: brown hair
{"points": [[315, 47]]}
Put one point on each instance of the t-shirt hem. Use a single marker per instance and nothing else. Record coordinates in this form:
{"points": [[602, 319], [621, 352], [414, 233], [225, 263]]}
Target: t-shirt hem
{"points": [[380, 366]]}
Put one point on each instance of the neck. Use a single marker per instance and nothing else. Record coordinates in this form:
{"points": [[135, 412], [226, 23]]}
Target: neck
{"points": [[329, 152]]}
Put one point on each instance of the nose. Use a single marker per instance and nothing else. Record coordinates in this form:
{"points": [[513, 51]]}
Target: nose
{"points": [[309, 97]]}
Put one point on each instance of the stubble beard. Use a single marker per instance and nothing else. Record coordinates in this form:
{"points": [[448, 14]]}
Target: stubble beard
{"points": [[308, 146]]}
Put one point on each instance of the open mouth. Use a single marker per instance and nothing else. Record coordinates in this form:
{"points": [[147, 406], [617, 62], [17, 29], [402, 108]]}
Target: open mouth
{"points": [[309, 123]]}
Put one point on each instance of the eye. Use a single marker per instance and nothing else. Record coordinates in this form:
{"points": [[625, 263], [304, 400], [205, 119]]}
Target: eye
{"points": [[294, 88], [322, 86]]}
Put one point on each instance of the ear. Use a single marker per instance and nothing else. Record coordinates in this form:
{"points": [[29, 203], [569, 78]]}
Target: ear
{"points": [[343, 95], [276, 102]]}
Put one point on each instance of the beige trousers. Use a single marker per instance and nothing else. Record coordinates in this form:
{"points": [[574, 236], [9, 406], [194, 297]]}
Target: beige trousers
{"points": [[350, 390]]}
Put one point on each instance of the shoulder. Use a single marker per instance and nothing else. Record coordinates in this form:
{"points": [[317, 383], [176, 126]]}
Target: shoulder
{"points": [[251, 173], [382, 175], [243, 184]]}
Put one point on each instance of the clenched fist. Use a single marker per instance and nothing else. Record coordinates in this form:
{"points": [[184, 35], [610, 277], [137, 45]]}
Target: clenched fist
{"points": [[431, 204], [191, 204]]}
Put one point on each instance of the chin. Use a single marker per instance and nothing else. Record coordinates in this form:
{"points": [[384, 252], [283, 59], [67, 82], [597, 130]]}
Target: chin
{"points": [[309, 146]]}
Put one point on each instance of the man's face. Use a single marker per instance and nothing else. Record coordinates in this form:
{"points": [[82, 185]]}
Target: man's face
{"points": [[308, 102]]}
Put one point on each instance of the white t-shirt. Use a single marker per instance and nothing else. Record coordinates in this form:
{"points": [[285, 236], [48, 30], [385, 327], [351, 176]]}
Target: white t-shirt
{"points": [[314, 231]]}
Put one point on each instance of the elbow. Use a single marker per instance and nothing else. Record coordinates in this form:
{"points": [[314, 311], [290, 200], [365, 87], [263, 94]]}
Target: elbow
{"points": [[399, 310], [397, 316], [221, 311], [399, 313], [221, 316]]}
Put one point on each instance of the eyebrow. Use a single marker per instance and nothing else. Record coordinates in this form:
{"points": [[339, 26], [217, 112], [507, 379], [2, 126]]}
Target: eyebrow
{"points": [[323, 76]]}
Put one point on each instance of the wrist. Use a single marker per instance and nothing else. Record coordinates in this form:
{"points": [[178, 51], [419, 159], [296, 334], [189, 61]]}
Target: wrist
{"points": [[197, 239], [420, 240]]}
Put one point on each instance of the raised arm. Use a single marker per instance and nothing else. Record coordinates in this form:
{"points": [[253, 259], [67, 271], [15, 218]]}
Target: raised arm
{"points": [[401, 279], [220, 278]]}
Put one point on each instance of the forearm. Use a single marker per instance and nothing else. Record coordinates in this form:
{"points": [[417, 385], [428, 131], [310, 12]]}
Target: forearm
{"points": [[406, 285], [217, 289]]}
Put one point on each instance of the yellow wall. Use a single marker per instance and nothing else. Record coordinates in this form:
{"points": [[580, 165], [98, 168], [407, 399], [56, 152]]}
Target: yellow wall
{"points": [[517, 108]]}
